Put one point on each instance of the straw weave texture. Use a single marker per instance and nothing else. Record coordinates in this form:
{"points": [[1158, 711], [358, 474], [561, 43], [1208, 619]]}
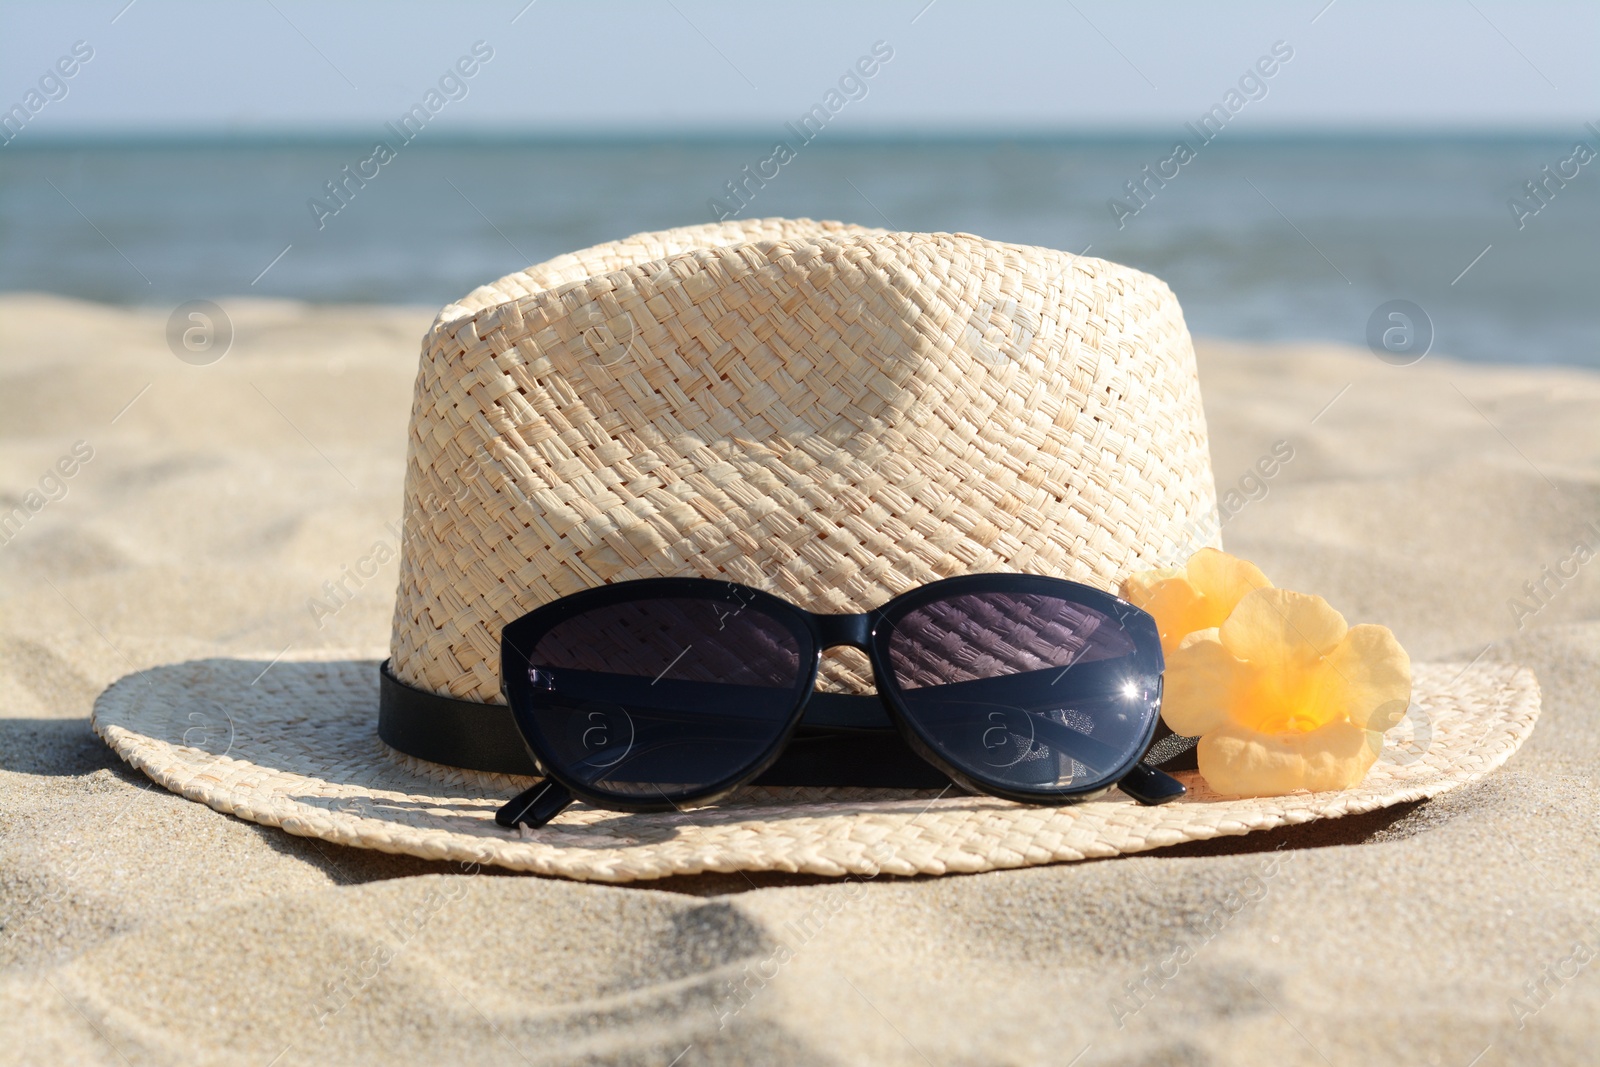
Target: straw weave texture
{"points": [[632, 251], [829, 414], [298, 750]]}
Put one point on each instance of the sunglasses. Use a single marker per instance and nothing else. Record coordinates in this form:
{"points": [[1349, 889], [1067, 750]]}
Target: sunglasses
{"points": [[655, 694]]}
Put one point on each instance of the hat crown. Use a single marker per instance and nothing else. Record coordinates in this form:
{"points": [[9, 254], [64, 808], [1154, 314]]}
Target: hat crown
{"points": [[831, 414]]}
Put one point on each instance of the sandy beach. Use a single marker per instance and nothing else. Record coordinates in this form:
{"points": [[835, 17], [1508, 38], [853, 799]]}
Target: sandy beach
{"points": [[207, 506]]}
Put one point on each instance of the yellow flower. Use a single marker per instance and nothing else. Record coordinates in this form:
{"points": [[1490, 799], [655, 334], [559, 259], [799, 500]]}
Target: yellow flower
{"points": [[1196, 598], [1285, 696]]}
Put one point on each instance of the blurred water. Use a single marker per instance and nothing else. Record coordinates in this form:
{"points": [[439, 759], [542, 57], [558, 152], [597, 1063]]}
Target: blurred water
{"points": [[1288, 238]]}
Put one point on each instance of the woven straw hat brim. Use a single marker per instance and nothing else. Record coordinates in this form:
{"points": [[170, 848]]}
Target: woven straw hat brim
{"points": [[296, 747]]}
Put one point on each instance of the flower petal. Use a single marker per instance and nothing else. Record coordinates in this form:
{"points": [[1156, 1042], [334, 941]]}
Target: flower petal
{"points": [[1136, 588], [1283, 632], [1177, 608], [1240, 762], [1203, 682], [1196, 598], [1369, 676], [1223, 580]]}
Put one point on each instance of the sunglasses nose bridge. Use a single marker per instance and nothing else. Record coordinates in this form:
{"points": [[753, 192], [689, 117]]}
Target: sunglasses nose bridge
{"points": [[852, 630]]}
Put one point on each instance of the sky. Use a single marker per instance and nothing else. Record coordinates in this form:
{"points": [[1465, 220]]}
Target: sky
{"points": [[670, 67]]}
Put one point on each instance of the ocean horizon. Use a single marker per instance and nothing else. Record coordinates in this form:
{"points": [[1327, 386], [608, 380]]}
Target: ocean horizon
{"points": [[1280, 237]]}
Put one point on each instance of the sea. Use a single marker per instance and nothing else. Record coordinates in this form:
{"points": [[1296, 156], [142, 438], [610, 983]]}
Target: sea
{"points": [[1487, 244]]}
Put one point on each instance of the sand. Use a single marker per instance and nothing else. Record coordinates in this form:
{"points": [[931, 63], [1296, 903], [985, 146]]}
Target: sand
{"points": [[138, 927]]}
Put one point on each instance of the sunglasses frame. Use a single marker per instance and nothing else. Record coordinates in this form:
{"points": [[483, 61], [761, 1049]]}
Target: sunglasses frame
{"points": [[870, 633]]}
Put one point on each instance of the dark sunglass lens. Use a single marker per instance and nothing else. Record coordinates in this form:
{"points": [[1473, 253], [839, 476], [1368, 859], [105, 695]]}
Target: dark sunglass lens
{"points": [[664, 696], [1030, 692]]}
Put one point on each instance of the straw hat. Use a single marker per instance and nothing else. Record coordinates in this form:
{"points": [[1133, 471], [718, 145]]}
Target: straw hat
{"points": [[830, 413]]}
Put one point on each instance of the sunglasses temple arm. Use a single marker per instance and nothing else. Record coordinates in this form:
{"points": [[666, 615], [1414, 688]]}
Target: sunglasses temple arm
{"points": [[1144, 783], [534, 807], [1150, 786]]}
